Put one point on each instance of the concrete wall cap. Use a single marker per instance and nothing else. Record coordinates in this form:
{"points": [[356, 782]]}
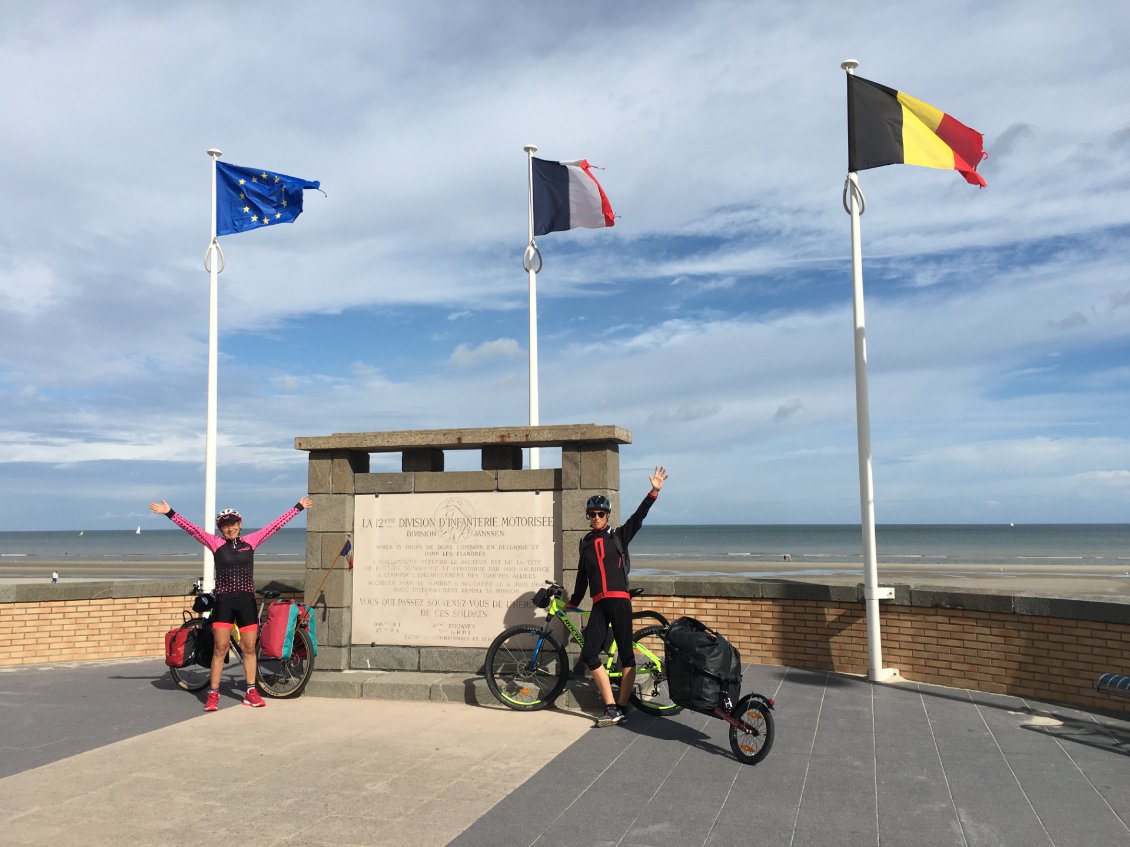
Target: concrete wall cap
{"points": [[465, 439]]}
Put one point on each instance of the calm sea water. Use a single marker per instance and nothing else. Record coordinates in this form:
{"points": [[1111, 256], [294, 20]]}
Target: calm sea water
{"points": [[929, 544], [1070, 545], [166, 545]]}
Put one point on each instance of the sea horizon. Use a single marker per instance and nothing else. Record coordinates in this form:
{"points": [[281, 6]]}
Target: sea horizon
{"points": [[1073, 544]]}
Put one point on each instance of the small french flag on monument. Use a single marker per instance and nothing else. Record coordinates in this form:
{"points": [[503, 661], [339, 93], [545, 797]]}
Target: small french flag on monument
{"points": [[566, 195]]}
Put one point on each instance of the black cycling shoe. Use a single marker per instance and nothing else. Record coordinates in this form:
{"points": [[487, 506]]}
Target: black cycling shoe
{"points": [[612, 716]]}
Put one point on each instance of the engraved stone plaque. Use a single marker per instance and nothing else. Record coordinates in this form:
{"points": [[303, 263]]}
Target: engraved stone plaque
{"points": [[448, 570]]}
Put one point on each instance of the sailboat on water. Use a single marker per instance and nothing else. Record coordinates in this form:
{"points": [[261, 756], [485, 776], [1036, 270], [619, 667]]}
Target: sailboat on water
{"points": [[138, 531]]}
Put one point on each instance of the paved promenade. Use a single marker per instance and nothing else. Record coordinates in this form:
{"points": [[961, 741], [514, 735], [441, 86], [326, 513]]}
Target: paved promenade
{"points": [[113, 754]]}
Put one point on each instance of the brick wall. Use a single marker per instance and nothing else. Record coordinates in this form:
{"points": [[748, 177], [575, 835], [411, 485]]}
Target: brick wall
{"points": [[1047, 649], [87, 621], [1038, 656], [83, 630]]}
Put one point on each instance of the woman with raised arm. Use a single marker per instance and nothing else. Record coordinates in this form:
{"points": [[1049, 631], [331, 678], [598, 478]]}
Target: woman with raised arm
{"points": [[234, 555]]}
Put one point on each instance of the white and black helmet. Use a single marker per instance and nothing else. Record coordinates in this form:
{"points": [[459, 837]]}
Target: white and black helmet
{"points": [[228, 516]]}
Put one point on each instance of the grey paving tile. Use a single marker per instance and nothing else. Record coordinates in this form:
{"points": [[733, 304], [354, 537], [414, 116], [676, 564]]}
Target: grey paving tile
{"points": [[990, 804], [840, 784], [546, 805], [761, 806], [605, 808], [1103, 760], [1061, 794], [914, 804], [684, 808]]}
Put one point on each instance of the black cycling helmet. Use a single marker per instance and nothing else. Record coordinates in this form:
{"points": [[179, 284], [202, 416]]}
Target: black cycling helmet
{"points": [[598, 502], [204, 602]]}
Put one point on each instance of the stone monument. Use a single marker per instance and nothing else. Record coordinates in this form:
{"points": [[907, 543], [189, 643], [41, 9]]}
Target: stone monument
{"points": [[443, 560]]}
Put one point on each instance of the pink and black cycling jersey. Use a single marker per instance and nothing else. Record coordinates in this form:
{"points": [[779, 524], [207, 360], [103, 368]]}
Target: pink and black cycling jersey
{"points": [[235, 560]]}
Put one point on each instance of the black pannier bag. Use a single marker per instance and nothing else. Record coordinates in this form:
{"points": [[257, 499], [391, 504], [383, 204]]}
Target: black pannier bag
{"points": [[205, 645], [704, 670]]}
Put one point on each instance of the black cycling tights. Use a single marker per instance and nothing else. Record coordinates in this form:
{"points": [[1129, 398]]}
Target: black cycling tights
{"points": [[618, 612]]}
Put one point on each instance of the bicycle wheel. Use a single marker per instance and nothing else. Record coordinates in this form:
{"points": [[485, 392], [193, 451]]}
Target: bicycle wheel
{"points": [[193, 677], [287, 677], [649, 691], [526, 668], [752, 746]]}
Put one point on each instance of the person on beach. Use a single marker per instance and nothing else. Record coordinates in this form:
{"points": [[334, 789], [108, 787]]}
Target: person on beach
{"points": [[234, 555], [602, 569]]}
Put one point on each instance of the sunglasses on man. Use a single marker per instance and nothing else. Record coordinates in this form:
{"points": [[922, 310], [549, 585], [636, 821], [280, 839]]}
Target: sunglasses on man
{"points": [[599, 513]]}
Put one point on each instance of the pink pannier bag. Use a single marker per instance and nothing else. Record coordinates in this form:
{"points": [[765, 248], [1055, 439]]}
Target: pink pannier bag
{"points": [[277, 634]]}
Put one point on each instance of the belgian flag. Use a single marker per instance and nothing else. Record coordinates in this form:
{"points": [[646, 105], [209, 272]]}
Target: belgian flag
{"points": [[888, 127]]}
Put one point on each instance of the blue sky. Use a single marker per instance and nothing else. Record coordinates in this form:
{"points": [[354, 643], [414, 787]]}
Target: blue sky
{"points": [[713, 321]]}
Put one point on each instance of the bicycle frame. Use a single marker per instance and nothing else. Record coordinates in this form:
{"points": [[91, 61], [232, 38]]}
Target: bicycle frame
{"points": [[275, 677], [558, 609]]}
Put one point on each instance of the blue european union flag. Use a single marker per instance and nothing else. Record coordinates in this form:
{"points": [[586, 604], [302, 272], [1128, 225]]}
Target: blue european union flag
{"points": [[247, 198]]}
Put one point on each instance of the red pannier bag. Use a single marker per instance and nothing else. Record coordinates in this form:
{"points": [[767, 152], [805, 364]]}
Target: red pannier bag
{"points": [[180, 646]]}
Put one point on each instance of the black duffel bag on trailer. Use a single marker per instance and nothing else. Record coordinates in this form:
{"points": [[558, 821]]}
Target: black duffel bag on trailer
{"points": [[704, 670]]}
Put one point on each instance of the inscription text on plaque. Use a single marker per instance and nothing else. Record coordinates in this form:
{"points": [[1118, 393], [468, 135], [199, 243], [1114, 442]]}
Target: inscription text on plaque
{"points": [[448, 570]]}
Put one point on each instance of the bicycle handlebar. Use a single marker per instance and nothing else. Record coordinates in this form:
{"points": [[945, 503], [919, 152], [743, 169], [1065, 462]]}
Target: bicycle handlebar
{"points": [[556, 589]]}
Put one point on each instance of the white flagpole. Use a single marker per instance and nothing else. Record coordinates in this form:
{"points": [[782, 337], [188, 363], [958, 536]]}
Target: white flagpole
{"points": [[213, 265], [872, 594], [532, 268]]}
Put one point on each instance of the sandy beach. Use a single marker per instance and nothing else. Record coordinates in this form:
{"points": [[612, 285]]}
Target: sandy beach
{"points": [[1110, 582]]}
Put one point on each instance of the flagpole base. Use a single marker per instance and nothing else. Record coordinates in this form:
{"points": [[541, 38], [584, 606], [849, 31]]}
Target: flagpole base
{"points": [[885, 675]]}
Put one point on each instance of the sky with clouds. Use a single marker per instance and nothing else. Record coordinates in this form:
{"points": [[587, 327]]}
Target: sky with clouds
{"points": [[713, 321]]}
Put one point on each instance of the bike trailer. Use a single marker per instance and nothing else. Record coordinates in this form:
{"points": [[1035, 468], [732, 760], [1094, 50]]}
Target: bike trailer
{"points": [[276, 640], [704, 670]]}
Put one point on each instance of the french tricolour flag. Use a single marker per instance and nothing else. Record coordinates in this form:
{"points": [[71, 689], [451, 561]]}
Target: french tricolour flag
{"points": [[567, 196]]}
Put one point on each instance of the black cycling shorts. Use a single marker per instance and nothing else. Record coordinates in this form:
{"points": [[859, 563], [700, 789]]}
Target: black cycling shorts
{"points": [[238, 607], [618, 612]]}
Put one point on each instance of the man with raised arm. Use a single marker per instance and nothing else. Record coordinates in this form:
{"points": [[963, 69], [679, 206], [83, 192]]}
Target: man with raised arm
{"points": [[602, 570]]}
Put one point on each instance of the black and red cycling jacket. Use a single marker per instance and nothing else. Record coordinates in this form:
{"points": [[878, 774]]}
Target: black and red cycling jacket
{"points": [[603, 564]]}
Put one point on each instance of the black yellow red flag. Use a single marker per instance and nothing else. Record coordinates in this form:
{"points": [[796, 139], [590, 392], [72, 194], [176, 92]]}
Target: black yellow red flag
{"points": [[889, 127]]}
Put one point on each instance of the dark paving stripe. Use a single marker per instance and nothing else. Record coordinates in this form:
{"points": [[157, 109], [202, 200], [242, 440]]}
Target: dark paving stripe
{"points": [[52, 712], [853, 764]]}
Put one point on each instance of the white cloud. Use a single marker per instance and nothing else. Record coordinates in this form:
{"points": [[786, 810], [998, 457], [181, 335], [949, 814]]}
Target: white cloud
{"points": [[1112, 479], [27, 288], [465, 356]]}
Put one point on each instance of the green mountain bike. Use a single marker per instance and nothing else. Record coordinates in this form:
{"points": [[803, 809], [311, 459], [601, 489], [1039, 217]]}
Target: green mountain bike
{"points": [[527, 667]]}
